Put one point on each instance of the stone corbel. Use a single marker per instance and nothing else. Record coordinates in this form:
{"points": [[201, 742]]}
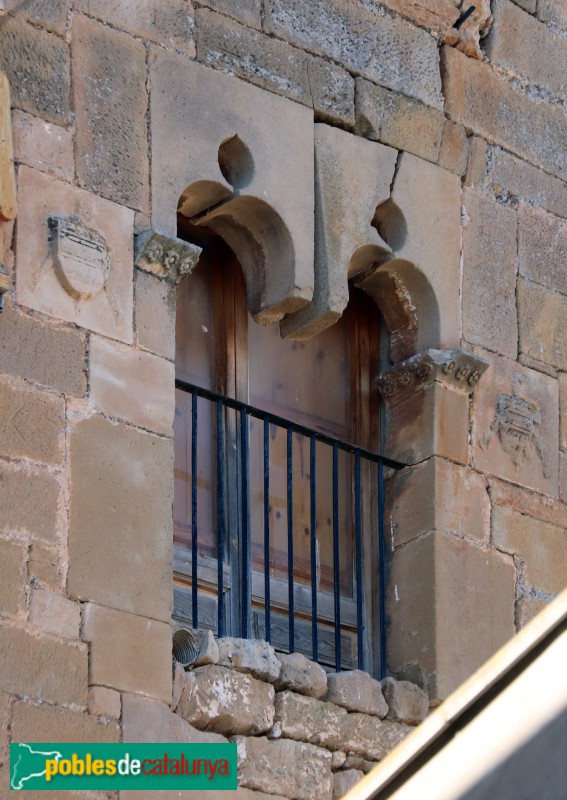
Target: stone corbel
{"points": [[7, 177], [165, 256]]}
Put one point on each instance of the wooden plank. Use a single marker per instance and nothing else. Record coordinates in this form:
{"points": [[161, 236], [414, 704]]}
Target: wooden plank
{"points": [[7, 178]]}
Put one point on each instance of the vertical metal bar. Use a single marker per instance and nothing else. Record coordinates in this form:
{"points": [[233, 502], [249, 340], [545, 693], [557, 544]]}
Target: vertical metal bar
{"points": [[267, 528], [290, 578], [358, 545], [336, 565], [382, 571], [313, 531], [245, 544], [194, 532], [220, 518]]}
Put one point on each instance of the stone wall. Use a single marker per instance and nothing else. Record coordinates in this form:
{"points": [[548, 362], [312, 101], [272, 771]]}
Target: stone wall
{"points": [[474, 132]]}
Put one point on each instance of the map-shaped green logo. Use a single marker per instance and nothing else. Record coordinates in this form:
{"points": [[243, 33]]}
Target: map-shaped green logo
{"points": [[28, 765]]}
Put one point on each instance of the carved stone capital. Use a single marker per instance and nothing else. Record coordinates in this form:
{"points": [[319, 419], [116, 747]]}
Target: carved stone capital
{"points": [[166, 256], [454, 368]]}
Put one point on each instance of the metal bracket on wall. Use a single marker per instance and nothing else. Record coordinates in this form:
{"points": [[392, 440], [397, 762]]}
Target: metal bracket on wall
{"points": [[7, 178]]}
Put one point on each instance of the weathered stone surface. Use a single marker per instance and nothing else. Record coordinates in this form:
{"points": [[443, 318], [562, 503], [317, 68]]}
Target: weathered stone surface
{"points": [[209, 652], [49, 354], [353, 35], [344, 781], [249, 655], [269, 224], [275, 65], [542, 547], [146, 720], [43, 566], [489, 274], [542, 248], [37, 66], [110, 101], [178, 684], [438, 15], [223, 794], [519, 42], [42, 667], [369, 737], [515, 426], [356, 691], [228, 702], [406, 701], [563, 477], [309, 720], [29, 500], [526, 609], [398, 121], [132, 384], [155, 315], [353, 178], [454, 148], [451, 606], [127, 652], [5, 711], [301, 675], [13, 578], [355, 762], [486, 104], [167, 22], [42, 145], [495, 170], [338, 759], [265, 765], [39, 285], [54, 613], [120, 506], [438, 495], [32, 423], [540, 506], [527, 5], [247, 11], [45, 723], [552, 11], [542, 318], [49, 14], [104, 702], [563, 411]]}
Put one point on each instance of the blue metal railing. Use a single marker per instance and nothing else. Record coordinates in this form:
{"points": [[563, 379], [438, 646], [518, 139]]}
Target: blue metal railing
{"points": [[359, 456]]}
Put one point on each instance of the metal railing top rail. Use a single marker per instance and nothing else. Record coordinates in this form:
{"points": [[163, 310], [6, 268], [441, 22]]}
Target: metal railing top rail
{"points": [[238, 405]]}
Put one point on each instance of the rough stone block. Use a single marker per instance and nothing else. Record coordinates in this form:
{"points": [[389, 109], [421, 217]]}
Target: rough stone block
{"points": [[526, 609], [41, 282], [104, 702], [540, 506], [406, 701], [49, 14], [247, 11], [29, 500], [132, 385], [520, 43], [344, 781], [563, 477], [563, 411], [356, 691], [37, 66], [270, 156], [228, 702], [43, 566], [110, 101], [338, 759], [489, 274], [515, 426], [46, 723], [309, 720], [178, 684], [437, 15], [353, 36], [54, 613], [369, 737], [13, 578], [275, 65], [398, 121], [541, 546], [167, 22], [42, 667], [249, 655], [301, 675], [451, 606], [553, 11], [209, 652], [542, 248], [32, 423], [454, 148], [542, 317], [127, 652], [266, 765], [42, 145], [120, 518], [146, 720], [155, 315], [49, 354], [355, 762], [485, 103], [527, 5]]}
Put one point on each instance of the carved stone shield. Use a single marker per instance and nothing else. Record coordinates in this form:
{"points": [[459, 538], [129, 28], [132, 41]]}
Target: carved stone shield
{"points": [[80, 257]]}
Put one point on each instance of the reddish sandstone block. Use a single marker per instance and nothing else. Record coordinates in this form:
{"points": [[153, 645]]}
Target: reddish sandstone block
{"points": [[54, 613], [542, 318], [155, 314], [454, 148], [32, 423], [39, 144], [542, 247], [104, 702], [29, 500], [13, 578], [47, 723], [49, 14]]}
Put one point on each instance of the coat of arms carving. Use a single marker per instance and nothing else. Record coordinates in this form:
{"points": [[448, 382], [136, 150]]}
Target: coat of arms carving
{"points": [[80, 257]]}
